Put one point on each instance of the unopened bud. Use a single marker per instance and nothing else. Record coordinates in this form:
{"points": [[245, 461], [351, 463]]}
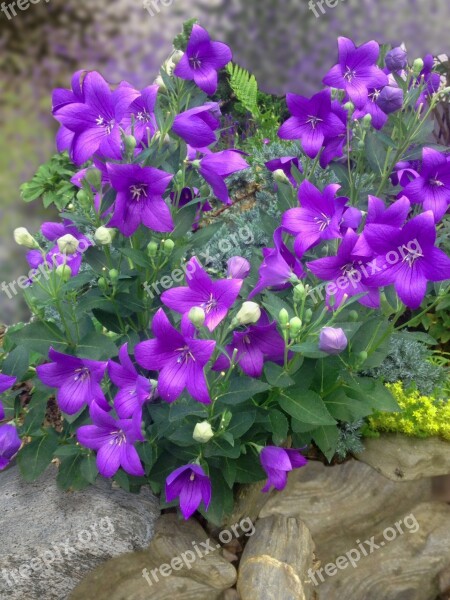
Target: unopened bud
{"points": [[280, 176], [197, 316], [363, 356], [367, 120], [102, 284], [353, 315], [299, 293], [64, 271], [114, 275], [84, 199], [177, 56], [168, 246], [417, 67], [283, 318], [249, 312], [308, 315], [152, 249], [104, 236], [295, 326], [130, 144], [68, 244], [203, 432], [349, 106], [24, 238]]}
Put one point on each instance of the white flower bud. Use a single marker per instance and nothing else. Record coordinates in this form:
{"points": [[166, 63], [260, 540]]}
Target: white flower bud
{"points": [[280, 176], [203, 432], [68, 244], [197, 316], [104, 236], [24, 238], [249, 313]]}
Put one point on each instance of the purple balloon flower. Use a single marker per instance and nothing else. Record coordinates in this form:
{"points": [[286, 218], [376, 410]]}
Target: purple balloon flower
{"points": [[238, 267], [318, 218], [312, 121], [139, 198], [390, 99], [403, 173], [280, 268], [334, 146], [134, 389], [396, 60], [191, 484], [62, 97], [202, 60], [372, 108], [6, 383], [356, 71], [407, 258], [95, 121], [114, 441], [215, 297], [351, 218], [179, 358], [141, 112], [9, 444], [217, 166], [197, 126], [332, 340], [432, 187], [430, 78], [77, 380], [285, 163], [347, 274], [255, 345], [277, 462]]}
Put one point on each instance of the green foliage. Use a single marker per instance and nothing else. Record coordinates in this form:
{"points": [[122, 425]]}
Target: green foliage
{"points": [[245, 87], [349, 442], [181, 40]]}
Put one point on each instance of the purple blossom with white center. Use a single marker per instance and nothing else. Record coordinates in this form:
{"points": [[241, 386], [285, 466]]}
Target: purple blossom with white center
{"points": [[407, 258], [197, 126], [139, 117], [396, 59], [312, 121], [139, 198], [347, 274], [134, 389], [356, 71], [214, 297], [318, 217], [179, 357], [202, 60], [9, 444], [6, 383], [285, 164], [432, 186], [76, 379], [255, 345], [96, 121], [332, 340], [238, 267], [390, 99], [54, 257], [372, 108], [114, 441], [192, 486], [277, 462], [216, 167], [279, 269]]}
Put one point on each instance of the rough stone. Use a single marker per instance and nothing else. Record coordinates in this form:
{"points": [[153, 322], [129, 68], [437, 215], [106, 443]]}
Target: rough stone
{"points": [[72, 532], [122, 578], [276, 560], [403, 458]]}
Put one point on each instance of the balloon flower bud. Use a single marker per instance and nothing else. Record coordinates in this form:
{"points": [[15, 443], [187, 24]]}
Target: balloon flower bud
{"points": [[203, 432], [104, 236], [64, 271], [283, 318], [168, 246], [130, 144], [299, 293], [238, 267], [102, 284], [280, 176], [308, 315], [114, 275], [249, 312], [295, 326], [24, 238], [84, 199], [417, 66], [197, 316], [332, 340], [152, 249], [176, 57], [396, 59], [349, 106], [68, 244], [390, 99]]}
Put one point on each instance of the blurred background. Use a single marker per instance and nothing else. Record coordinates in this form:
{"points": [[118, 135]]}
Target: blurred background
{"points": [[288, 44]]}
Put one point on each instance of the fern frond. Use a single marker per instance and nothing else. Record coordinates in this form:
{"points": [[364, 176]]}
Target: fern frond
{"points": [[245, 87]]}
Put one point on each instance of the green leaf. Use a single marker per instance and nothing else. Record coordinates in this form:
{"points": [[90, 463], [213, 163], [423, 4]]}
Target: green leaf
{"points": [[137, 257], [277, 376], [306, 406], [248, 469], [39, 336], [222, 500], [327, 439], [280, 426], [70, 476], [36, 412], [241, 423], [241, 389], [344, 408], [229, 469], [218, 446], [245, 87], [309, 350], [17, 362], [370, 391], [97, 346], [88, 468], [35, 457]]}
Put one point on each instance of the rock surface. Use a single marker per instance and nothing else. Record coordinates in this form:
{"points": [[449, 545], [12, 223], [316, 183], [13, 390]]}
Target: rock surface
{"points": [[276, 560], [167, 574], [52, 539], [403, 458]]}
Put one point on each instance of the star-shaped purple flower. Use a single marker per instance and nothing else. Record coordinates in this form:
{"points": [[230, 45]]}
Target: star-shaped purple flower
{"points": [[356, 71], [61, 97], [77, 380], [216, 167], [432, 187], [141, 112], [114, 441], [279, 268], [197, 126], [179, 358], [9, 444], [255, 345], [202, 60], [372, 108], [317, 219], [139, 198], [347, 274], [312, 121], [407, 258], [191, 484], [215, 297], [134, 389], [277, 462]]}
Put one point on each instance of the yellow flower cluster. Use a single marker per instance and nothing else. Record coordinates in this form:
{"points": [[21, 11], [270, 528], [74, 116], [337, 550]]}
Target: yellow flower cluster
{"points": [[420, 416]]}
